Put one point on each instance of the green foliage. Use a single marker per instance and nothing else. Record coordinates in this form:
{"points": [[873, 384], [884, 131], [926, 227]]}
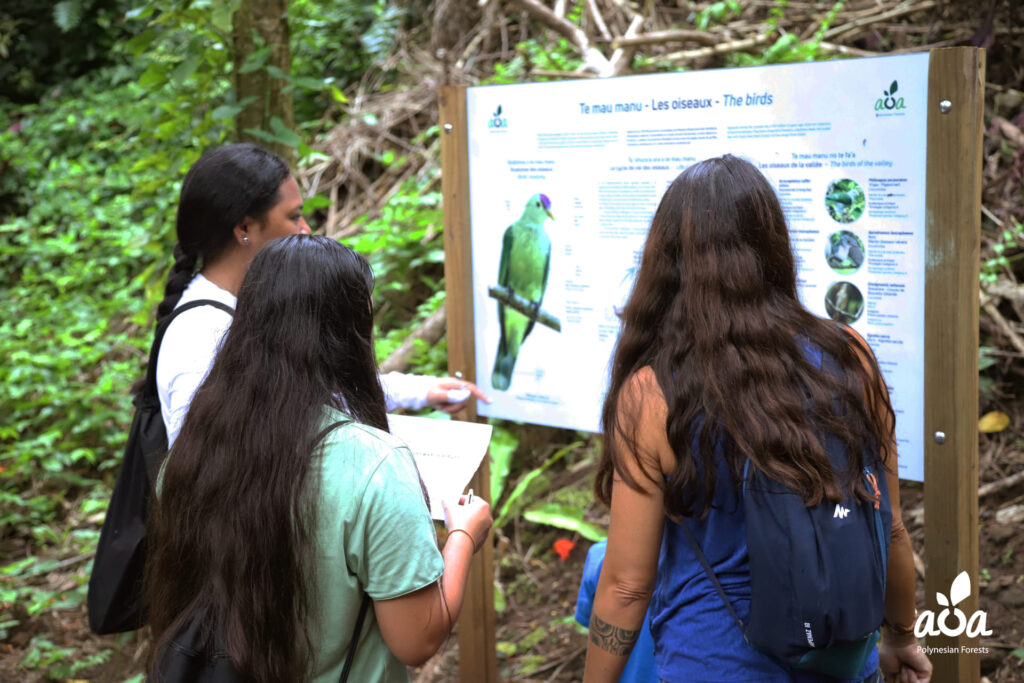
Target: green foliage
{"points": [[534, 55], [501, 449], [520, 494], [42, 44], [405, 248], [718, 13], [1007, 248], [788, 47], [85, 212]]}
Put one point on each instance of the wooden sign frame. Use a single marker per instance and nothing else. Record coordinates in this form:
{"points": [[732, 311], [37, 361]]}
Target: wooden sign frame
{"points": [[956, 79]]}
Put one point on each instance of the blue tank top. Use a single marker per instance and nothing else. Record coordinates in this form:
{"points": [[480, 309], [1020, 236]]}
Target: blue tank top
{"points": [[696, 640]]}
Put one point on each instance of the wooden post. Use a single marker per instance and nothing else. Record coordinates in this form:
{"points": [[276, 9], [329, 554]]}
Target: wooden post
{"points": [[956, 84], [477, 645]]}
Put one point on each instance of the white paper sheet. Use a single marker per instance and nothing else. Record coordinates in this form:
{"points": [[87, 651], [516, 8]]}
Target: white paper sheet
{"points": [[447, 453]]}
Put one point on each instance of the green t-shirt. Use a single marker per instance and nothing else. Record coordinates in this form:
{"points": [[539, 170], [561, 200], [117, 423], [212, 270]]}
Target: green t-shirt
{"points": [[374, 523]]}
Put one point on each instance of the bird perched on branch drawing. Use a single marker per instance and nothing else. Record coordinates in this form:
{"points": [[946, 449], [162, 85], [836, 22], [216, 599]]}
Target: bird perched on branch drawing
{"points": [[523, 270]]}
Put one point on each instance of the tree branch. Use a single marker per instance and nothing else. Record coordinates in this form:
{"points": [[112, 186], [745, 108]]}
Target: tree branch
{"points": [[518, 303], [720, 49], [430, 331], [874, 19], [671, 36]]}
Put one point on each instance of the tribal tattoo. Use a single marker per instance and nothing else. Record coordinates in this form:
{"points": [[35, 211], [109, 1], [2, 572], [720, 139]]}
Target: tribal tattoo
{"points": [[618, 641]]}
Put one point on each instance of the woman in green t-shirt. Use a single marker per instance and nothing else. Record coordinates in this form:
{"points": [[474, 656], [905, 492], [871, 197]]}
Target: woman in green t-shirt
{"points": [[284, 500]]}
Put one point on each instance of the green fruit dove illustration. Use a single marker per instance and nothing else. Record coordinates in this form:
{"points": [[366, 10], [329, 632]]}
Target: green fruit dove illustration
{"points": [[523, 270]]}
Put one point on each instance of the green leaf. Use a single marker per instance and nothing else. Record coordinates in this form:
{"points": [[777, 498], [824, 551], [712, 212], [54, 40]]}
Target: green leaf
{"points": [[338, 96], [512, 503], [257, 59], [275, 72], [283, 133], [187, 67], [566, 517], [67, 15], [137, 45], [154, 76], [892, 89], [226, 111], [318, 201]]}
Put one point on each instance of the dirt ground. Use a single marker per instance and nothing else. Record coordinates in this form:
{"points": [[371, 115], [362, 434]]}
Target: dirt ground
{"points": [[537, 637]]}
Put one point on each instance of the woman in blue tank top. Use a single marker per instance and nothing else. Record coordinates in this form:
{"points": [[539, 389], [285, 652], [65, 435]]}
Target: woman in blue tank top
{"points": [[715, 366]]}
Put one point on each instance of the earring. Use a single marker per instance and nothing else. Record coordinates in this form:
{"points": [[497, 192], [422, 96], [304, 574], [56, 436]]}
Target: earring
{"points": [[245, 240]]}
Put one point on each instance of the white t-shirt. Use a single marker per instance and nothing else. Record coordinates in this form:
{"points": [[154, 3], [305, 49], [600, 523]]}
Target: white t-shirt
{"points": [[191, 343]]}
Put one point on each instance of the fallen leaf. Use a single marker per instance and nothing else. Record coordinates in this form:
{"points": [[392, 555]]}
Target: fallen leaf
{"points": [[995, 421]]}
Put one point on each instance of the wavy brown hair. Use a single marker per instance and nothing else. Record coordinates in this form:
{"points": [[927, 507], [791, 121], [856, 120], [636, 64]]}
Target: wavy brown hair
{"points": [[231, 532], [714, 312]]}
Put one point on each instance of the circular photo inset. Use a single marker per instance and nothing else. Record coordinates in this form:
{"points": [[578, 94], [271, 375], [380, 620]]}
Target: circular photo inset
{"points": [[844, 200], [844, 252], [843, 302]]}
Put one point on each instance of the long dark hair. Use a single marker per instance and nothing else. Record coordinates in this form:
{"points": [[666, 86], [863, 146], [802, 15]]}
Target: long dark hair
{"points": [[233, 524], [226, 185], [714, 311]]}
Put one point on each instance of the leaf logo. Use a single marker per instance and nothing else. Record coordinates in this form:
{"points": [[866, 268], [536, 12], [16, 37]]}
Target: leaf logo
{"points": [[888, 101], [930, 625], [496, 120]]}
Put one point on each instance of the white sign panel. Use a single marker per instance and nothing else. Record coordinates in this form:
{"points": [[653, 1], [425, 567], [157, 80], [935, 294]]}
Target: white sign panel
{"points": [[575, 170]]}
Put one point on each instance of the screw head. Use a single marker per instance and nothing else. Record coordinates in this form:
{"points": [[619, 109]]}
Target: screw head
{"points": [[448, 128], [945, 106], [940, 438]]}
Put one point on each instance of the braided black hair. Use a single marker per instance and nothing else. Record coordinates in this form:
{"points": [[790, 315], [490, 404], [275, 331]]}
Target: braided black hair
{"points": [[226, 186]]}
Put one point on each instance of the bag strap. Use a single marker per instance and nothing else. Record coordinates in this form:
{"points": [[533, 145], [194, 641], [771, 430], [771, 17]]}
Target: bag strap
{"points": [[363, 609], [714, 579], [154, 350]]}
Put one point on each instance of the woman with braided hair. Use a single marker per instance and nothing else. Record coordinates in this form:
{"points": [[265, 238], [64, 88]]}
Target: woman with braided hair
{"points": [[233, 201]]}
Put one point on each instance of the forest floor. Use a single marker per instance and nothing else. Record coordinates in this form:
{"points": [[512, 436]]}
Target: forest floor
{"points": [[538, 639]]}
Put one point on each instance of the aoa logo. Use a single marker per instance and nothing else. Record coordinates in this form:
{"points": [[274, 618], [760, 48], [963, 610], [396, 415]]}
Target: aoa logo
{"points": [[497, 120], [888, 101], [928, 625]]}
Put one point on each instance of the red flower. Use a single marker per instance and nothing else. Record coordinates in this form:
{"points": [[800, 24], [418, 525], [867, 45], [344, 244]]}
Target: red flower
{"points": [[563, 547]]}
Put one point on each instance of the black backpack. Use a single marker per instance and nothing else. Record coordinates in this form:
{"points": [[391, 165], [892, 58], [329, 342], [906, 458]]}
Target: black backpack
{"points": [[115, 585], [817, 574]]}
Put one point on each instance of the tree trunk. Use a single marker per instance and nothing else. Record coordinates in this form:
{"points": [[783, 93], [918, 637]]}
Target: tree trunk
{"points": [[267, 19]]}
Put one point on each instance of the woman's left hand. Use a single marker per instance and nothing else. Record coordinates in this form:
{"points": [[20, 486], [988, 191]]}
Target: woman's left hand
{"points": [[439, 397]]}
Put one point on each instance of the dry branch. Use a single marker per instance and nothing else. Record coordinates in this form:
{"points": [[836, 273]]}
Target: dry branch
{"points": [[430, 332], [720, 49], [1001, 485], [874, 19], [661, 37], [1004, 326], [595, 15], [518, 303], [554, 22]]}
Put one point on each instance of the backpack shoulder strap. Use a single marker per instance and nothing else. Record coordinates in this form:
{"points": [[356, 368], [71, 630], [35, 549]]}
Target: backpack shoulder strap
{"points": [[714, 579], [350, 657], [150, 386]]}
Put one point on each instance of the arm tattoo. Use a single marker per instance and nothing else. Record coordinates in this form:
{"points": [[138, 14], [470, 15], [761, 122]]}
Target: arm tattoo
{"points": [[618, 641]]}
